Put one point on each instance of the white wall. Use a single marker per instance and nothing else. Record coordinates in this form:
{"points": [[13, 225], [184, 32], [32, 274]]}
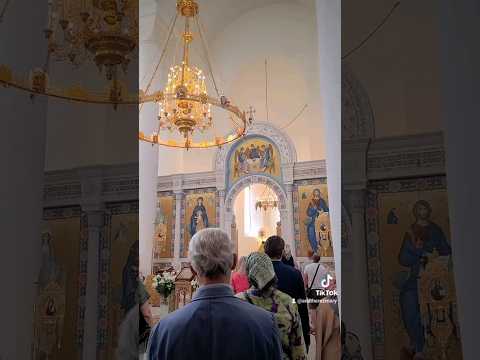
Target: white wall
{"points": [[284, 33]]}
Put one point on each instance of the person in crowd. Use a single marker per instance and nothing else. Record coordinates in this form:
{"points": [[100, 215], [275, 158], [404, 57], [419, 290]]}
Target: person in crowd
{"points": [[264, 294], [325, 327], [287, 257], [290, 281], [215, 325], [314, 273], [239, 278]]}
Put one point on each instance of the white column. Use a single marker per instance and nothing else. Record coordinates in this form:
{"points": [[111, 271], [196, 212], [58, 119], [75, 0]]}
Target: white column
{"points": [[221, 198], [288, 233], [329, 53], [148, 154], [460, 74], [22, 148], [96, 229], [178, 208]]}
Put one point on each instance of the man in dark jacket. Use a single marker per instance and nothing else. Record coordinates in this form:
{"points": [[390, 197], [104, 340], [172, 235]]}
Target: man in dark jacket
{"points": [[290, 281], [216, 325]]}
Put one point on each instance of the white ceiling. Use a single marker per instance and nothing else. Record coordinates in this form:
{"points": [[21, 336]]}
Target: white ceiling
{"points": [[155, 15]]}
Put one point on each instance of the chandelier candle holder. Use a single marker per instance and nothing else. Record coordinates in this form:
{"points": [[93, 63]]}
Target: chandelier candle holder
{"points": [[79, 32], [184, 106]]}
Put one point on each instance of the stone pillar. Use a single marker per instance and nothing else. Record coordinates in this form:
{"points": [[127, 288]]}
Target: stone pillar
{"points": [[96, 230], [23, 131], [359, 320], [178, 229], [460, 76]]}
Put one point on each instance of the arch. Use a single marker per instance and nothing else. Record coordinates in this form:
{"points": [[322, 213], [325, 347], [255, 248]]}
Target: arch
{"points": [[284, 144], [357, 114], [255, 179]]}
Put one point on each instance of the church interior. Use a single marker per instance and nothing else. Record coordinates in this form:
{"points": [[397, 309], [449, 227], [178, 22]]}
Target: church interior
{"points": [[345, 159]]}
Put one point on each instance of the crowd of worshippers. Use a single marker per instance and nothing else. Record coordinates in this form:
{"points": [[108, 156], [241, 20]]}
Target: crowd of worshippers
{"points": [[261, 307]]}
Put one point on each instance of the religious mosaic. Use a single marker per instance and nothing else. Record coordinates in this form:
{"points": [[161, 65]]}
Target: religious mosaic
{"points": [[164, 228], [200, 213], [312, 219], [254, 155], [59, 286], [119, 266], [411, 270]]}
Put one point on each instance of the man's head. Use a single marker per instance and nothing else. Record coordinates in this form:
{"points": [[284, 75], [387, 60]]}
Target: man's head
{"points": [[200, 200], [274, 247], [317, 194], [211, 255]]}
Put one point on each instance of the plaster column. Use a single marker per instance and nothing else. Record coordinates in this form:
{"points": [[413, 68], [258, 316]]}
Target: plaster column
{"points": [[221, 199], [460, 75], [329, 68], [178, 217], [359, 320], [149, 163], [22, 148], [96, 230], [288, 232]]}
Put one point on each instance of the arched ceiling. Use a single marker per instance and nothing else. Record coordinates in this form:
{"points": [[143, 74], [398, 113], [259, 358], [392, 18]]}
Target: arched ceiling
{"points": [[155, 15]]}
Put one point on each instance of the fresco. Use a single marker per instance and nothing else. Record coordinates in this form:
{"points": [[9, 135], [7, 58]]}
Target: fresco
{"points": [[253, 155], [164, 227], [411, 270], [60, 265], [200, 213], [118, 272], [312, 219]]}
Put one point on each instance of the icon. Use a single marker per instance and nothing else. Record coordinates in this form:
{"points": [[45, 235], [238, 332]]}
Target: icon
{"points": [[326, 281]]}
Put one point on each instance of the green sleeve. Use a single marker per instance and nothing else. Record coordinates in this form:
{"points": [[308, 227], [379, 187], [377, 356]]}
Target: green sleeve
{"points": [[297, 343]]}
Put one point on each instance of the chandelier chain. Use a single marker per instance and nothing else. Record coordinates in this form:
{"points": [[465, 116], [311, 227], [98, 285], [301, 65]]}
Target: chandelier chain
{"points": [[204, 45], [266, 89], [162, 55]]}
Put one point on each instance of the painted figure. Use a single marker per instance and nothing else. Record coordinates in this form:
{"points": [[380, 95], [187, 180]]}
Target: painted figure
{"points": [[315, 207], [199, 218], [51, 309], [420, 241]]}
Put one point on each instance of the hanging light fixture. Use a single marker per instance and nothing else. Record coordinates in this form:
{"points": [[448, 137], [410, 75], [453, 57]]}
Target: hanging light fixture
{"points": [[185, 109], [83, 32], [267, 200]]}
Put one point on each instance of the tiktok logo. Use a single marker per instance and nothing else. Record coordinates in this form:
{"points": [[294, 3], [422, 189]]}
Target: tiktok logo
{"points": [[326, 281]]}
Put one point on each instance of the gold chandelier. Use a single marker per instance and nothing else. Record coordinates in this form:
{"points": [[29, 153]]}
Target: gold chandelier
{"points": [[184, 106], [267, 200], [79, 32]]}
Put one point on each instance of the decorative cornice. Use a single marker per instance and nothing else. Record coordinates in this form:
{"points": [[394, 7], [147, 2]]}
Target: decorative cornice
{"points": [[406, 156], [310, 170], [91, 186]]}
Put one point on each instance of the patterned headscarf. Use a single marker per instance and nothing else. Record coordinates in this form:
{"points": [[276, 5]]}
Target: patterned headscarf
{"points": [[259, 270]]}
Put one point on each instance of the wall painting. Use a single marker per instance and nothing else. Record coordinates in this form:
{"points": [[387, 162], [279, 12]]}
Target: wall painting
{"points": [[412, 291]]}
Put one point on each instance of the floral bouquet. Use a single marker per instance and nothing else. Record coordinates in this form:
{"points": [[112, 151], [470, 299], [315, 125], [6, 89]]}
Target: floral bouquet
{"points": [[164, 283], [195, 284]]}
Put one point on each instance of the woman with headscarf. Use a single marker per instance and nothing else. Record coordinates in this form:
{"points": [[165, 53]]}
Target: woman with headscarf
{"points": [[263, 293]]}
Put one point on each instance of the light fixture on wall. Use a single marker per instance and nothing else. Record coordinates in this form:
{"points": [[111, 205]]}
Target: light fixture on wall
{"points": [[185, 110], [85, 32]]}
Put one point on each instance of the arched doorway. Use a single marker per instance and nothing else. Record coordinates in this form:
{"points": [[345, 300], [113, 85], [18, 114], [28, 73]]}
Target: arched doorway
{"points": [[257, 216], [250, 182]]}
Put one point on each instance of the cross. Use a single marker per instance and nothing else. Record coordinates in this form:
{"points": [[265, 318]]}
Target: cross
{"points": [[251, 111]]}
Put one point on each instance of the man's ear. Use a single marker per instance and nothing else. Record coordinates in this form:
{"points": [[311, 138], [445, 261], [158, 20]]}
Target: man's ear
{"points": [[234, 264]]}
